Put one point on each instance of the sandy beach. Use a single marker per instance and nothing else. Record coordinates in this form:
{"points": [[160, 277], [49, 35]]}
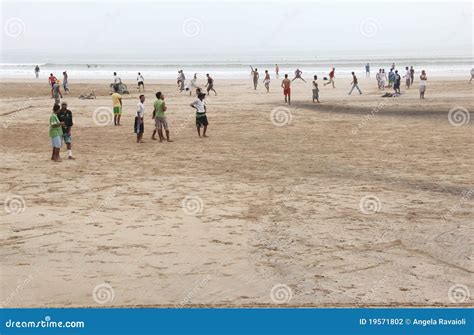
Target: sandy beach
{"points": [[357, 201]]}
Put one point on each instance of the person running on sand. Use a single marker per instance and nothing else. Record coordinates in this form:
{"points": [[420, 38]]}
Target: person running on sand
{"points": [[52, 80], [315, 89], [117, 104], [355, 84], [472, 75], [37, 71], [396, 83], [331, 78], [160, 119], [266, 81], [140, 82], [423, 79], [65, 117], [277, 70], [285, 84], [55, 133], [210, 84], [407, 77], [139, 124], [255, 77], [298, 74], [201, 118]]}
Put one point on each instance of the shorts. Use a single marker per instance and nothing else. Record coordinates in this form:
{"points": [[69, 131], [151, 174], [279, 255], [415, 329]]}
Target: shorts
{"points": [[56, 142], [160, 121], [422, 88], [67, 138], [408, 82], [210, 87], [140, 83], [315, 94], [117, 110], [287, 91], [201, 121], [138, 128]]}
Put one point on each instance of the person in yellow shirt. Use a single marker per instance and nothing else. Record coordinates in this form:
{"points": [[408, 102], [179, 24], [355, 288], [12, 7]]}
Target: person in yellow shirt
{"points": [[117, 102]]}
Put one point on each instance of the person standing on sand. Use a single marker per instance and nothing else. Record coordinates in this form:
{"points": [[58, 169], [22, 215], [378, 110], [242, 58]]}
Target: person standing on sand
{"points": [[65, 117], [117, 103], [298, 74], [391, 78], [255, 77], [315, 89], [57, 95], [397, 81], [331, 78], [354, 84], [266, 81], [65, 82], [160, 119], [423, 79], [52, 80], [393, 66], [139, 124], [55, 133], [407, 77], [140, 82], [285, 84], [412, 75], [367, 70], [37, 71], [201, 118], [210, 84], [277, 70], [117, 79], [472, 75], [378, 77], [181, 80]]}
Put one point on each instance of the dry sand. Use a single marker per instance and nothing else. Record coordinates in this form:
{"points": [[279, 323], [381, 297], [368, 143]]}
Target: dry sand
{"points": [[274, 204]]}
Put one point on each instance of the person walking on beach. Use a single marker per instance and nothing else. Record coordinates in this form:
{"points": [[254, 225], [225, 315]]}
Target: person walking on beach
{"points": [[277, 70], [201, 118], [315, 89], [140, 82], [55, 133], [210, 84], [423, 79], [298, 74], [160, 118], [285, 84], [255, 77], [354, 84], [472, 75], [65, 82], [65, 117], [407, 77], [367, 70], [331, 78], [412, 75], [266, 81], [396, 83], [117, 104], [57, 95], [37, 71], [52, 80], [139, 124]]}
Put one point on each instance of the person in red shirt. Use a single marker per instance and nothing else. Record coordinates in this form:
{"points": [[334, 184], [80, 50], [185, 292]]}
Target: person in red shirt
{"points": [[52, 80], [331, 78]]}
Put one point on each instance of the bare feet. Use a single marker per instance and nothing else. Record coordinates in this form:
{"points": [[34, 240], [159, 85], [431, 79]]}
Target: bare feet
{"points": [[70, 157]]}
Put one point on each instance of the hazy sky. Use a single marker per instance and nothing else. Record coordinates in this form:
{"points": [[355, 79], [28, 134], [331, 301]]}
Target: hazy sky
{"points": [[186, 29]]}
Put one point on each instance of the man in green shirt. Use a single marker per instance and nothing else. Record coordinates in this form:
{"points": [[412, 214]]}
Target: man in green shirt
{"points": [[160, 118], [56, 133]]}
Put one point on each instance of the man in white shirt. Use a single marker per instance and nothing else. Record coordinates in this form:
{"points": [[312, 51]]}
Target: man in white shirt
{"points": [[407, 77], [139, 127], [141, 82]]}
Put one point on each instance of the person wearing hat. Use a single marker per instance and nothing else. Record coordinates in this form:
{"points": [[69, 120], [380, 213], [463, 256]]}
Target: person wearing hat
{"points": [[65, 117]]}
